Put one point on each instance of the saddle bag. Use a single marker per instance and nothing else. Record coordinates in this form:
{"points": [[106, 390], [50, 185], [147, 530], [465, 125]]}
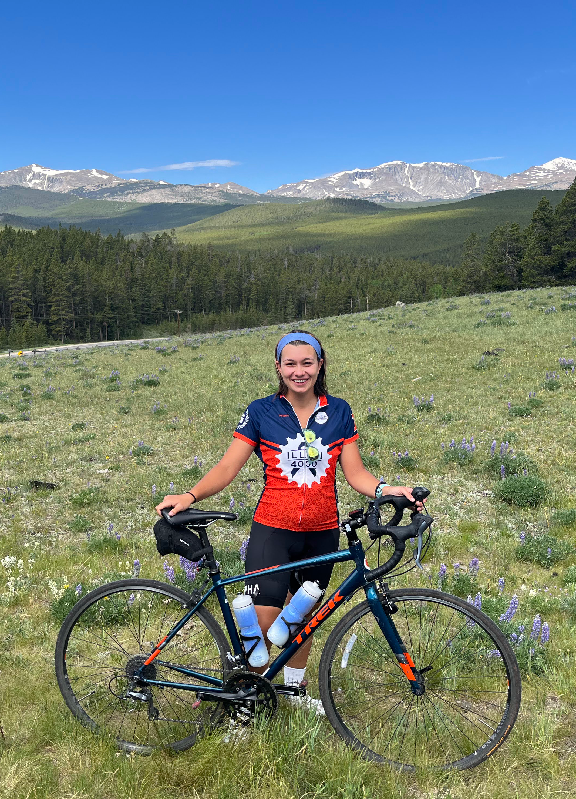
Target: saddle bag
{"points": [[177, 540]]}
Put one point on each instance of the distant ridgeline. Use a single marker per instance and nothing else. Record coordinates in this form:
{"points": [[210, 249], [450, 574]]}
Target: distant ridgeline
{"points": [[76, 285]]}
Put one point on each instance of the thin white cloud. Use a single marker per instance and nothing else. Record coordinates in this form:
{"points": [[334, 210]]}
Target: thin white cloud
{"points": [[186, 166], [488, 158]]}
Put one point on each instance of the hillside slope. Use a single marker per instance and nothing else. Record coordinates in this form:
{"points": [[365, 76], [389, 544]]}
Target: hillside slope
{"points": [[32, 209], [434, 233]]}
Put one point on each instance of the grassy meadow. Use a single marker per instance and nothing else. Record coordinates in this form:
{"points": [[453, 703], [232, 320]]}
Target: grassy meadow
{"points": [[91, 439]]}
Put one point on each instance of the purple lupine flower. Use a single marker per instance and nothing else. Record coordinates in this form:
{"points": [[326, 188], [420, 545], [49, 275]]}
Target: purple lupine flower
{"points": [[493, 448], [478, 601], [522, 537], [508, 615], [536, 627], [456, 569], [110, 527], [502, 472], [169, 572], [195, 460], [549, 552], [171, 486], [118, 536], [232, 503], [154, 490], [88, 536], [545, 637], [473, 567], [78, 589], [442, 446], [500, 585], [136, 568], [244, 549], [190, 568], [131, 599]]}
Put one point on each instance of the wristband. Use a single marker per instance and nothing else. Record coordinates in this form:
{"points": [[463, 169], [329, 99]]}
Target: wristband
{"points": [[379, 487], [192, 495]]}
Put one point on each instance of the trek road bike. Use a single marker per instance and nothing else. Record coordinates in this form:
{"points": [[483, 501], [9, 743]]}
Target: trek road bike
{"points": [[412, 677]]}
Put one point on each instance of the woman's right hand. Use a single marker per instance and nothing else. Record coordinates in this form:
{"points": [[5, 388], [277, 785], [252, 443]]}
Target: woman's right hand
{"points": [[178, 502]]}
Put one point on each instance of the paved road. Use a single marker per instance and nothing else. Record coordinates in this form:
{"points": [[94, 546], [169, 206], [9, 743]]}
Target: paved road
{"points": [[86, 346]]}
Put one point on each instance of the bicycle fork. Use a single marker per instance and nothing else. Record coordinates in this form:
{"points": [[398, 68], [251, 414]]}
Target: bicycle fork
{"points": [[383, 608]]}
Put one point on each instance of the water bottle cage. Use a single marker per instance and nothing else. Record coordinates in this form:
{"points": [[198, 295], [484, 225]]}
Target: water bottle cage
{"points": [[255, 638]]}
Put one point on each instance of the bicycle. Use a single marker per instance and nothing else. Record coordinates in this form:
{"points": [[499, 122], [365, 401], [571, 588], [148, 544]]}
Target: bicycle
{"points": [[148, 664]]}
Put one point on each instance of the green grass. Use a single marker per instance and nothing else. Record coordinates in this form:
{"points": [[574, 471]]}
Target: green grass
{"points": [[81, 440], [434, 233]]}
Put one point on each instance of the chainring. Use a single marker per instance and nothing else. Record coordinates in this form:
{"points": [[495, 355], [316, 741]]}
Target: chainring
{"points": [[261, 698]]}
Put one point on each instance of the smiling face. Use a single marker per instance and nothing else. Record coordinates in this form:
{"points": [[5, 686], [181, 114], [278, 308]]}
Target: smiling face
{"points": [[299, 367]]}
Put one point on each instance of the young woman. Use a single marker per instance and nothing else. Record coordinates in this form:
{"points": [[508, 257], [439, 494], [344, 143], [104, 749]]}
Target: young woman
{"points": [[300, 434]]}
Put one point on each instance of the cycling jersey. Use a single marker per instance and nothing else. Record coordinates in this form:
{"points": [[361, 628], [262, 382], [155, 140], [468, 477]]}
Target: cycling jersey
{"points": [[299, 492]]}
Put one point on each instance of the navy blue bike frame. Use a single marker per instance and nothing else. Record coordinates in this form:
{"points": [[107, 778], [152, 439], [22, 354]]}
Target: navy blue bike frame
{"points": [[350, 585]]}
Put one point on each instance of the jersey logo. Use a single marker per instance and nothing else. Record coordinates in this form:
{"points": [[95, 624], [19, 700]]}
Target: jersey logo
{"points": [[244, 420], [321, 417], [297, 466]]}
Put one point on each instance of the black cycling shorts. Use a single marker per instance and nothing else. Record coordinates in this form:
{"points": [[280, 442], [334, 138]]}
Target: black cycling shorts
{"points": [[271, 546]]}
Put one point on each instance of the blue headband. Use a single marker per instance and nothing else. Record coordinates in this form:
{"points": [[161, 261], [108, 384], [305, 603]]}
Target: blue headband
{"points": [[290, 337]]}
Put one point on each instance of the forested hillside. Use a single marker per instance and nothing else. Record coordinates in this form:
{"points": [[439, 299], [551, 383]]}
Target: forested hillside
{"points": [[75, 285], [433, 233]]}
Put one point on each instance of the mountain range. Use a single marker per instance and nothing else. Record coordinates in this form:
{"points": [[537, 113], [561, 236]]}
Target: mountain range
{"points": [[391, 182]]}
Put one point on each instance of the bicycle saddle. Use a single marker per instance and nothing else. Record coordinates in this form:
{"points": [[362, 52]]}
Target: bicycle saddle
{"points": [[195, 517]]}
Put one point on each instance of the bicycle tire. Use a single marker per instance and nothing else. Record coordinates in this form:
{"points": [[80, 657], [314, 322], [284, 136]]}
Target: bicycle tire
{"points": [[472, 680], [108, 634]]}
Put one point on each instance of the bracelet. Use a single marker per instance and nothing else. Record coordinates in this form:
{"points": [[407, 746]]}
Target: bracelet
{"points": [[379, 487], [192, 495]]}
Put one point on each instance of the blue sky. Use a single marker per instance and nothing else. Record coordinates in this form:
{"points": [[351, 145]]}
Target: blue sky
{"points": [[276, 92]]}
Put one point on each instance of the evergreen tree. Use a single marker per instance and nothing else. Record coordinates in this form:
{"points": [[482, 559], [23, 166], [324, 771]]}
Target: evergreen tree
{"points": [[564, 232], [536, 261], [502, 258]]}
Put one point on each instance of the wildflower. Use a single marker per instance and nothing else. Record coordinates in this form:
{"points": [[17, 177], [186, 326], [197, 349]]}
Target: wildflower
{"points": [[549, 552], [190, 568], [136, 568], [154, 490], [478, 601], [500, 585], [244, 549], [493, 447], [169, 572], [78, 589], [473, 567], [522, 537], [508, 615], [536, 627], [110, 527], [545, 637], [131, 599], [118, 536], [502, 472], [232, 503], [171, 486], [456, 569]]}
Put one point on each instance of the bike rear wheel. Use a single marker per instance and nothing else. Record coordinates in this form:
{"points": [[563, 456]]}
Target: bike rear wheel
{"points": [[106, 638], [472, 683]]}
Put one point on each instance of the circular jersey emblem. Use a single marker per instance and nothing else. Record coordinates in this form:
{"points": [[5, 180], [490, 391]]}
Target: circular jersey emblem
{"points": [[296, 465], [321, 417]]}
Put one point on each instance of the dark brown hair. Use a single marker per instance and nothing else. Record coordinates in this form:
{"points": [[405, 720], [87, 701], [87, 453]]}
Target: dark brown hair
{"points": [[320, 388]]}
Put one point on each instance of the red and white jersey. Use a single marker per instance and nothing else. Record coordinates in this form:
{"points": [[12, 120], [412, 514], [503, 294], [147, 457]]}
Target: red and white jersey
{"points": [[299, 492]]}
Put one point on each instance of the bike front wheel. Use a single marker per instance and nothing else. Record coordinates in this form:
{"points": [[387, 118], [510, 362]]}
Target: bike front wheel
{"points": [[471, 680], [105, 640]]}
